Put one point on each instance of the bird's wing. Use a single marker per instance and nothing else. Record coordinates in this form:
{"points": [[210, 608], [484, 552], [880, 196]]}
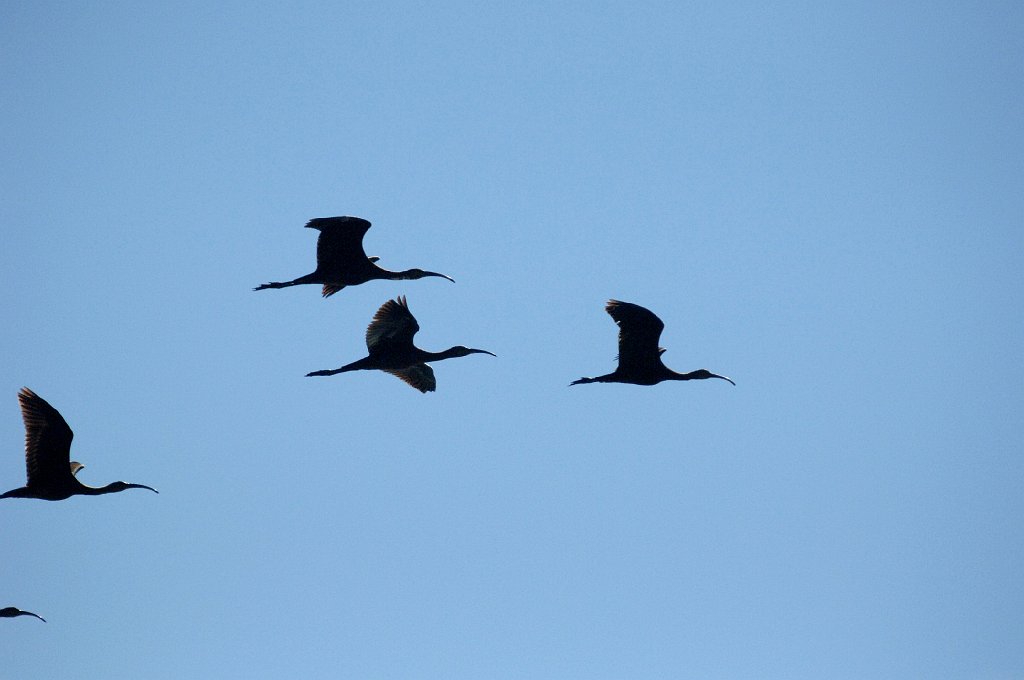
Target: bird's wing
{"points": [[420, 376], [639, 331], [47, 439], [330, 289], [393, 326], [340, 245]]}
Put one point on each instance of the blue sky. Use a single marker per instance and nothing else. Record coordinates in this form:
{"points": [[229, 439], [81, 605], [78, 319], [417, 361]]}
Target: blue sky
{"points": [[822, 202]]}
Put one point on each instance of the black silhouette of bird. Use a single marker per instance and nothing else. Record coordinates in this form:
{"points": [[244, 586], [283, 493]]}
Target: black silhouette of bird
{"points": [[341, 260], [11, 612], [389, 341], [639, 354], [51, 472]]}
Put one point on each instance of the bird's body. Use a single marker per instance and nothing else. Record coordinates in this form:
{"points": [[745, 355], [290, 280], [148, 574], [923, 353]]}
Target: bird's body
{"points": [[11, 612], [341, 260], [389, 340], [51, 472], [639, 354]]}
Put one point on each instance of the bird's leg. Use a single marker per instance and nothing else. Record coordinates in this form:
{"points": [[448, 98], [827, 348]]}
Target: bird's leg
{"points": [[361, 364], [308, 278], [326, 372]]}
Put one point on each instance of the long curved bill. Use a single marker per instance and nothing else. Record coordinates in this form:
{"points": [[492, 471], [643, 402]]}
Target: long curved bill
{"points": [[443, 276], [715, 375], [482, 351], [140, 486]]}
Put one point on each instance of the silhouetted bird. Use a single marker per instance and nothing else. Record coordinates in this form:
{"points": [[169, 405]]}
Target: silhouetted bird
{"points": [[51, 472], [639, 354], [341, 260], [389, 340], [11, 612]]}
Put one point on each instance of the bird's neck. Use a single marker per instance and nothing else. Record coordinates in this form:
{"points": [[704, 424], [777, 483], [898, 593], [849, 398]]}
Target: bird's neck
{"points": [[99, 490], [400, 276], [699, 374], [449, 353]]}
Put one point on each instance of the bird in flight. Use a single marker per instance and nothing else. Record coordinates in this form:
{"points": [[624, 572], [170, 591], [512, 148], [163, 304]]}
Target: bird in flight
{"points": [[51, 472], [11, 612], [389, 341], [341, 260], [639, 354]]}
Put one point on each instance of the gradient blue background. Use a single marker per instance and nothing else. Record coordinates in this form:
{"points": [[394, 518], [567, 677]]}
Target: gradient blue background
{"points": [[822, 201]]}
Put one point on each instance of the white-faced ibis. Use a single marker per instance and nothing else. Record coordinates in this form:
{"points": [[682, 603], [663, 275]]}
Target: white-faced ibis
{"points": [[51, 472], [389, 341], [341, 260], [11, 612], [639, 354]]}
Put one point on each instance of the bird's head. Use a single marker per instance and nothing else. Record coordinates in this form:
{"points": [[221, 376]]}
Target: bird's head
{"points": [[121, 486], [460, 351], [704, 373], [421, 273]]}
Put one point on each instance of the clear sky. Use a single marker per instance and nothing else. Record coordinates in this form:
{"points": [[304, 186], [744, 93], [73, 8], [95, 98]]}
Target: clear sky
{"points": [[823, 201]]}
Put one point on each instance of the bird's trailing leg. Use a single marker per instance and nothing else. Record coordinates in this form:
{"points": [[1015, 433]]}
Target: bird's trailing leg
{"points": [[608, 377], [308, 278], [363, 363], [366, 363], [325, 372]]}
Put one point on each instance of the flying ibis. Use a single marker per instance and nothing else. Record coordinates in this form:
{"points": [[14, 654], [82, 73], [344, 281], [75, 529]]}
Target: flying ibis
{"points": [[51, 472], [341, 260], [389, 341], [639, 354]]}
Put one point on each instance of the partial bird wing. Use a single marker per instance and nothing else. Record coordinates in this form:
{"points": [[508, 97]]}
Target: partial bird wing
{"points": [[340, 245], [420, 376], [639, 331], [393, 326], [330, 289], [47, 439]]}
